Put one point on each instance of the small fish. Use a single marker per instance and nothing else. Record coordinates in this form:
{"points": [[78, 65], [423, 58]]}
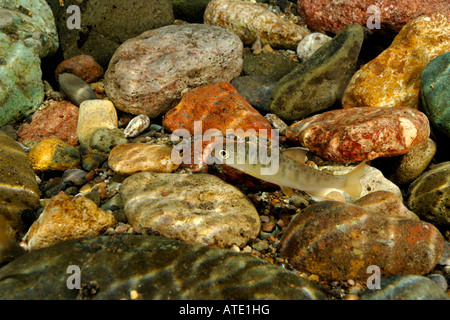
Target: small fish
{"points": [[291, 173]]}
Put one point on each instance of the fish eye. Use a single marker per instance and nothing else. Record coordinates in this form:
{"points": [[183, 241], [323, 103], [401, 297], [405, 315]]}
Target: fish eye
{"points": [[224, 154]]}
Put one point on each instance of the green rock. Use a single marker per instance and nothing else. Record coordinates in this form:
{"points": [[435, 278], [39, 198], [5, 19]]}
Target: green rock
{"points": [[273, 66], [111, 267], [429, 195], [320, 81], [105, 139], [435, 92], [91, 158], [405, 287]]}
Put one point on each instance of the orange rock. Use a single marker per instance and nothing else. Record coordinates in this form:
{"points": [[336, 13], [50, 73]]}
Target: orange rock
{"points": [[83, 66], [53, 154], [393, 78], [217, 106]]}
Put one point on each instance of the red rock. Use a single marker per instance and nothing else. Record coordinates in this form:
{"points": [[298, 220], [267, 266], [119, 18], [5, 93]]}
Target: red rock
{"points": [[333, 16], [83, 66], [217, 106], [359, 134], [59, 120], [339, 241]]}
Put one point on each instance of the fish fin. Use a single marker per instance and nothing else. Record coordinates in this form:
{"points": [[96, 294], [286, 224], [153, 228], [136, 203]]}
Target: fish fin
{"points": [[352, 184], [297, 154], [287, 191]]}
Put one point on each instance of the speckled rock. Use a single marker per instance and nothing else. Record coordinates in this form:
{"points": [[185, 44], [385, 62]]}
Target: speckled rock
{"points": [[217, 106], [410, 165], [198, 208], [153, 268], [330, 234], [18, 188], [65, 218], [392, 79], [429, 195], [251, 21], [95, 114], [310, 44], [256, 90], [83, 66], [320, 81], [405, 287], [135, 157], [333, 16], [99, 36], [53, 154], [193, 55], [386, 203], [273, 66], [136, 126], [58, 120], [362, 133], [105, 139], [435, 92]]}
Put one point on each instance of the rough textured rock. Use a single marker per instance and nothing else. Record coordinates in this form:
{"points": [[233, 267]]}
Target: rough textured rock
{"points": [[217, 106], [53, 154], [405, 287], [320, 81], [166, 61], [339, 241], [58, 120], [310, 44], [198, 208], [136, 126], [83, 66], [190, 10], [251, 21], [392, 79], [362, 133], [135, 157], [95, 114], [435, 92], [65, 218], [18, 187], [105, 24], [274, 66], [154, 267], [429, 195], [105, 139], [333, 16]]}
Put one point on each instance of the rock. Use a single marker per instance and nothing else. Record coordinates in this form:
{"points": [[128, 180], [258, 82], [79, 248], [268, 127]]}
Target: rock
{"points": [[440, 280], [9, 249], [323, 15], [251, 21], [392, 79], [410, 165], [95, 114], [193, 55], [53, 154], [58, 120], [359, 134], [198, 208], [435, 93], [217, 106], [317, 83], [154, 268], [136, 126], [135, 157], [276, 123], [75, 89], [405, 287], [83, 66], [75, 177], [105, 139], [386, 203], [18, 188], [256, 90], [273, 66], [429, 195], [65, 218], [310, 44], [91, 158], [6, 18], [339, 241], [105, 24]]}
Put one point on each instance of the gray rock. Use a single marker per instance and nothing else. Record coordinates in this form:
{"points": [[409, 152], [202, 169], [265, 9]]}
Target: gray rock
{"points": [[75, 88], [105, 24], [320, 81], [148, 268], [105, 139], [256, 90]]}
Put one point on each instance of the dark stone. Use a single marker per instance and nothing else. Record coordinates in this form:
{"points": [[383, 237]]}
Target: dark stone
{"points": [[256, 90]]}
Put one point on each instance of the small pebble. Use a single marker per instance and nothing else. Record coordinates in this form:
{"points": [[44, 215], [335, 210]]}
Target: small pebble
{"points": [[136, 126]]}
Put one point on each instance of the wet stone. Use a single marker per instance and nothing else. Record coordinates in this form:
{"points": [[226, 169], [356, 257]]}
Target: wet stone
{"points": [[53, 154], [273, 66], [256, 90]]}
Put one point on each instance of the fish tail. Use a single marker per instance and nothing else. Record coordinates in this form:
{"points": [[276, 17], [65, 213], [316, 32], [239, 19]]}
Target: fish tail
{"points": [[352, 184]]}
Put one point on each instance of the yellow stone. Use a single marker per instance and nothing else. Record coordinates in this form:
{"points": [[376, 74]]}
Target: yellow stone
{"points": [[53, 154]]}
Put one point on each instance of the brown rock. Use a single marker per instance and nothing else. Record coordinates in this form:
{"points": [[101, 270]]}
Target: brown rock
{"points": [[59, 120], [83, 66], [359, 134], [339, 241]]}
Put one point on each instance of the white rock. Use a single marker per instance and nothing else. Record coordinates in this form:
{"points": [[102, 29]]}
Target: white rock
{"points": [[310, 44], [136, 126]]}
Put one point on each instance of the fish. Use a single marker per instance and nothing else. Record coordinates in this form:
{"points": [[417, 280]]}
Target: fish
{"points": [[291, 172]]}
